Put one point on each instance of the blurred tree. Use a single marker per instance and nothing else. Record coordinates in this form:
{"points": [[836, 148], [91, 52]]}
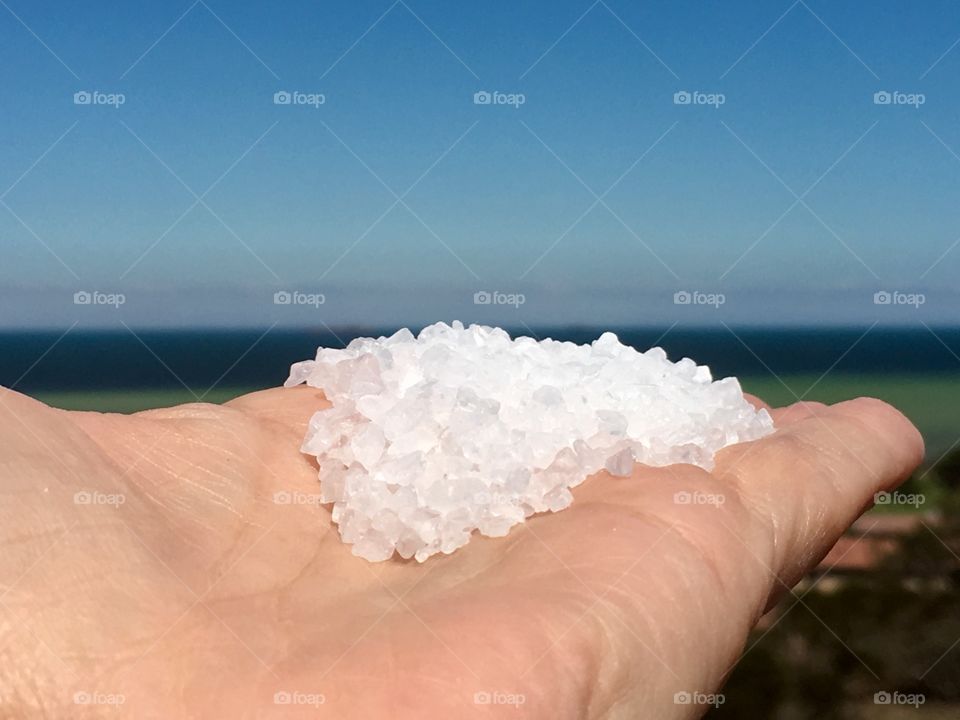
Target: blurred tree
{"points": [[948, 470], [893, 627]]}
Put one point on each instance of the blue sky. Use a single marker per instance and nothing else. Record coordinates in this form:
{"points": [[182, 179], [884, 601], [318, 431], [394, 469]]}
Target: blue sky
{"points": [[782, 187]]}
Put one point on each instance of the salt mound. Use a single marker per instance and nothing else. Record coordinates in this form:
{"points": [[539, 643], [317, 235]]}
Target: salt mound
{"points": [[464, 429]]}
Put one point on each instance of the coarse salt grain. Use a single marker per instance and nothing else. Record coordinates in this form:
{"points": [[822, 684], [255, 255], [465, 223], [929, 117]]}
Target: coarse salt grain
{"points": [[460, 429]]}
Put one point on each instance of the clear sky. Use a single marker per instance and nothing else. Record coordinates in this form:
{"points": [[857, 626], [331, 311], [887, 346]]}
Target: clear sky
{"points": [[587, 187]]}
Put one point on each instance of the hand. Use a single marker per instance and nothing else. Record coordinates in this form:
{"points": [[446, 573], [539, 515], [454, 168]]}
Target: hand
{"points": [[149, 569]]}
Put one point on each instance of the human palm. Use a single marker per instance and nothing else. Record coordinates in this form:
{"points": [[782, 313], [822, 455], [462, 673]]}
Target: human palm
{"points": [[174, 563]]}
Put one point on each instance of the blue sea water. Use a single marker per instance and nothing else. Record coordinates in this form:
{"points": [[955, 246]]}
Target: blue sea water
{"points": [[37, 361]]}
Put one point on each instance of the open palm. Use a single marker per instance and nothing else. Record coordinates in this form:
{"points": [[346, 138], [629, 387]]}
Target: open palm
{"points": [[175, 563]]}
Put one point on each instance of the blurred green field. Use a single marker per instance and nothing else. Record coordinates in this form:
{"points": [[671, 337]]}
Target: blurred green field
{"points": [[129, 401], [931, 401]]}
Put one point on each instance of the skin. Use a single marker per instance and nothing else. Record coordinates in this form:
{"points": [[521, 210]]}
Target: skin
{"points": [[199, 596]]}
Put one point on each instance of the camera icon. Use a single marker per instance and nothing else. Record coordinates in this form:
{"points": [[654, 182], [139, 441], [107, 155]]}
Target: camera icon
{"points": [[282, 97], [482, 97], [882, 298], [682, 498], [682, 97], [481, 698], [82, 297], [882, 698], [882, 498], [682, 297], [882, 97], [82, 97], [81, 698], [282, 497], [282, 297], [682, 698], [282, 697], [482, 298]]}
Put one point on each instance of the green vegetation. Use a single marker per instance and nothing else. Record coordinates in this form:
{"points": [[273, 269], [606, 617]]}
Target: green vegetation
{"points": [[128, 401], [892, 628], [932, 402]]}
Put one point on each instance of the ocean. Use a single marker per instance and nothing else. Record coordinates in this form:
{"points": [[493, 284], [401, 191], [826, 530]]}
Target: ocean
{"points": [[159, 359]]}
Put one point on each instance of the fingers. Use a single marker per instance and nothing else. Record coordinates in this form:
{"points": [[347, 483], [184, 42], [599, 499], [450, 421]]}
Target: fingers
{"points": [[798, 411], [756, 402], [293, 406], [893, 433], [821, 469]]}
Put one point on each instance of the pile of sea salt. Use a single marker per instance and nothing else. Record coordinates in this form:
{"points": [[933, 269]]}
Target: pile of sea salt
{"points": [[460, 429]]}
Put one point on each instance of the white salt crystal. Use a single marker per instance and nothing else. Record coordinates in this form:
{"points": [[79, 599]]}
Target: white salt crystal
{"points": [[464, 429]]}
